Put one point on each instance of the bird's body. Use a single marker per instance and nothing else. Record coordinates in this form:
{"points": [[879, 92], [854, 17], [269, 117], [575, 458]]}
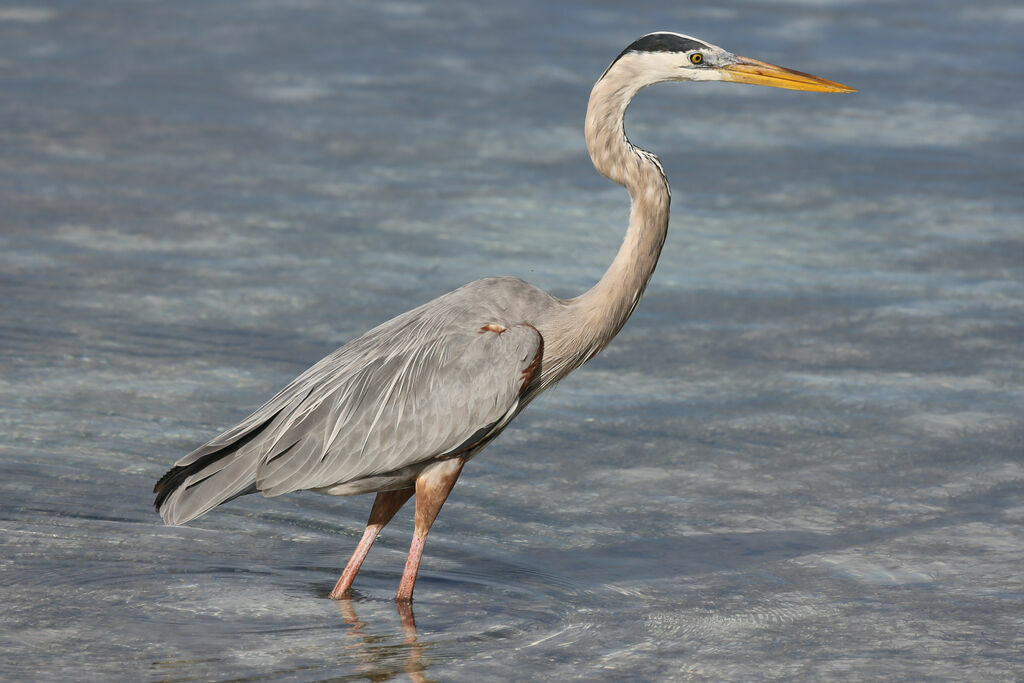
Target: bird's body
{"points": [[372, 414], [401, 408]]}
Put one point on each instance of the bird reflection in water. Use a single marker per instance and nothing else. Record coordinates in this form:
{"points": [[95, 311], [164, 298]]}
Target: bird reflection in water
{"points": [[374, 652]]}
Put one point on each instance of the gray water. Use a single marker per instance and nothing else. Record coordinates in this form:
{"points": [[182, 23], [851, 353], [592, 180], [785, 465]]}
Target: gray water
{"points": [[802, 458]]}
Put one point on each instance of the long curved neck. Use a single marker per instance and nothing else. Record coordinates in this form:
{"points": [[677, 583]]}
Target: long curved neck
{"points": [[592, 319]]}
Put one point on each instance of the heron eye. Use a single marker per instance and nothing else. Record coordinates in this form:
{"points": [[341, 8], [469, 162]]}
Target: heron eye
{"points": [[696, 58]]}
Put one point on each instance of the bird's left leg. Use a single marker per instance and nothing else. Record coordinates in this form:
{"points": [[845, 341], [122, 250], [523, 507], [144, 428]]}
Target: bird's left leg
{"points": [[433, 485], [384, 508]]}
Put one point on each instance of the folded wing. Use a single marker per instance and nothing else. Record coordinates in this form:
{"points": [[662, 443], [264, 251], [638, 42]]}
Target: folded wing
{"points": [[353, 416]]}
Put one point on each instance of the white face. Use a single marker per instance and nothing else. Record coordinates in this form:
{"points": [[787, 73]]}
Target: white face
{"points": [[665, 56], [700, 64]]}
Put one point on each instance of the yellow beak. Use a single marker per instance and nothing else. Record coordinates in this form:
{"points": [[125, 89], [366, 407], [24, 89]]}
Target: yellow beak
{"points": [[747, 70]]}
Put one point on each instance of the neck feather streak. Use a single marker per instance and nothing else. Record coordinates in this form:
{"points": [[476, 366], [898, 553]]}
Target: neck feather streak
{"points": [[592, 319]]}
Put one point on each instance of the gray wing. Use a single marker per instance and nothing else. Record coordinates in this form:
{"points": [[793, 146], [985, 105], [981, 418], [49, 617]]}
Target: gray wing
{"points": [[430, 382], [431, 399]]}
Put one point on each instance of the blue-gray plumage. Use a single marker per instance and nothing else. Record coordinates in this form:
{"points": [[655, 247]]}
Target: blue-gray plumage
{"points": [[400, 409], [360, 418]]}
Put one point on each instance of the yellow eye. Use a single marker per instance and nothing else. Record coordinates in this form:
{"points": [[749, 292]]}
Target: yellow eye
{"points": [[696, 58]]}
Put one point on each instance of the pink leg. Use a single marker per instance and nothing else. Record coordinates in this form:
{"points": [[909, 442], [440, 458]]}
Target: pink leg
{"points": [[432, 489], [385, 506]]}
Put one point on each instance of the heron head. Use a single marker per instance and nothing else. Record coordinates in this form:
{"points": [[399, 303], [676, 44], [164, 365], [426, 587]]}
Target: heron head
{"points": [[665, 56]]}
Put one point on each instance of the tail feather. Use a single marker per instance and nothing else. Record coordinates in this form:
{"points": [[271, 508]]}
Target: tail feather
{"points": [[194, 498], [188, 491]]}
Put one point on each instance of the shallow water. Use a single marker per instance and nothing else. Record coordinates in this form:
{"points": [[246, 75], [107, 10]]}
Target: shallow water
{"points": [[802, 458]]}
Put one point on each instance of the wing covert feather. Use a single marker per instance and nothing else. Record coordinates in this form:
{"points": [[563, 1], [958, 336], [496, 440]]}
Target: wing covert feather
{"points": [[427, 397]]}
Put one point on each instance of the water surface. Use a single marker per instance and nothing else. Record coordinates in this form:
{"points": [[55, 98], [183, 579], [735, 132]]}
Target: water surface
{"points": [[802, 458]]}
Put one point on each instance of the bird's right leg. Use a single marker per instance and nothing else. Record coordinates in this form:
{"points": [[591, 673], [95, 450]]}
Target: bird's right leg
{"points": [[384, 508], [433, 485]]}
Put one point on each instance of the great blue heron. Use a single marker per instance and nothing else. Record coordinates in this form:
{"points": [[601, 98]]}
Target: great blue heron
{"points": [[401, 409]]}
